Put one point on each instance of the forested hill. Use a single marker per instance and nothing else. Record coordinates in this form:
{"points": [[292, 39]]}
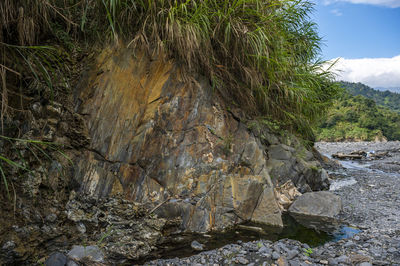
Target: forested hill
{"points": [[388, 99], [361, 113]]}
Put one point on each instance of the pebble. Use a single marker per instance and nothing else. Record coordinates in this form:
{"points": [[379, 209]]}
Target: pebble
{"points": [[51, 218], [9, 245], [197, 246], [92, 253], [275, 255], [242, 260], [56, 259], [365, 264], [291, 254]]}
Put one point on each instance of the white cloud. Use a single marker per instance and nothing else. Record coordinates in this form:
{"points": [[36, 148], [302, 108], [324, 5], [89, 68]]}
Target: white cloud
{"points": [[336, 12], [374, 72], [387, 3]]}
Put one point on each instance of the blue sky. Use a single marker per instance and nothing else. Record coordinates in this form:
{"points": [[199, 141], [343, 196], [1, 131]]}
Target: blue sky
{"points": [[362, 32]]}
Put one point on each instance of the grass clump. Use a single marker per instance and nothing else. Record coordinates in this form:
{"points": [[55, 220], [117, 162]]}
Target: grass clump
{"points": [[261, 55]]}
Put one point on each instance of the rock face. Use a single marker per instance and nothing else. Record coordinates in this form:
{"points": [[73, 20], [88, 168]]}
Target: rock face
{"points": [[160, 137], [318, 210]]}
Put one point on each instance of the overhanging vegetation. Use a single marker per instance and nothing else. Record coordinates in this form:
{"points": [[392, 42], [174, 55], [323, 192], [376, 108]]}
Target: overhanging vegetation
{"points": [[260, 55]]}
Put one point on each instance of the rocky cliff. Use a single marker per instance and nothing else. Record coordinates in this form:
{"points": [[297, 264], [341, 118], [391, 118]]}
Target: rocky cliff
{"points": [[162, 137]]}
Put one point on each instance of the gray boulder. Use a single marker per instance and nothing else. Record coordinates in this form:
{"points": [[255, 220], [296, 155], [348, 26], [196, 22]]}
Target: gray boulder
{"points": [[317, 210]]}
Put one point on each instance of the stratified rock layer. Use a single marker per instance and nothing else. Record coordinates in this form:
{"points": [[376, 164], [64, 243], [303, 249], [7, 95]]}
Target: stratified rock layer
{"points": [[159, 136]]}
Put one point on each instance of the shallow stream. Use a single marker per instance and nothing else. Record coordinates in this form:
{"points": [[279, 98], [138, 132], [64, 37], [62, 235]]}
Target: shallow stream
{"points": [[180, 245]]}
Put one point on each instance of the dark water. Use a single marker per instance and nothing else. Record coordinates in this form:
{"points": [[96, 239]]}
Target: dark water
{"points": [[179, 245]]}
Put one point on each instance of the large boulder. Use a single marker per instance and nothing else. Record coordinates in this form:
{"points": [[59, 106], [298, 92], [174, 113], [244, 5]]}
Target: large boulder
{"points": [[159, 136], [317, 210]]}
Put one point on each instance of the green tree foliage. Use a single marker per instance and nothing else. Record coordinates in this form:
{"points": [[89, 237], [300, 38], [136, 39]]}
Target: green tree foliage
{"points": [[358, 118], [391, 100]]}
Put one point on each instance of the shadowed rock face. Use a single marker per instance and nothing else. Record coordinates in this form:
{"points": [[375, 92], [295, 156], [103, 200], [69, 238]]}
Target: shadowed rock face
{"points": [[161, 138]]}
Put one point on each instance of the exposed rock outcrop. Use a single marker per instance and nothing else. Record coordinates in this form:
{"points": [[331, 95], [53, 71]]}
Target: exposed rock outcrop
{"points": [[159, 136]]}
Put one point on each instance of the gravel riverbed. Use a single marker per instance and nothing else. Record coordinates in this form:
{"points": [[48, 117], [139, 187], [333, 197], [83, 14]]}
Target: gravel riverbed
{"points": [[370, 191]]}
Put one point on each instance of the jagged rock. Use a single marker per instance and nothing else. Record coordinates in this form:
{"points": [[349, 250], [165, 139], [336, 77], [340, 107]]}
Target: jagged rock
{"points": [[286, 194], [318, 210], [159, 137]]}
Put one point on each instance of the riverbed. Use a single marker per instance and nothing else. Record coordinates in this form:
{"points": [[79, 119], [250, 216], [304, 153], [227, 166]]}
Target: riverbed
{"points": [[370, 192]]}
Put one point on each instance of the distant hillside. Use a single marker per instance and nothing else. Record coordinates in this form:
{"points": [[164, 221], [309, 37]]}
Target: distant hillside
{"points": [[391, 89], [357, 118], [386, 98]]}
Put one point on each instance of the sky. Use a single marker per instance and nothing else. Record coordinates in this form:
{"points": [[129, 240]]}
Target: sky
{"points": [[365, 36]]}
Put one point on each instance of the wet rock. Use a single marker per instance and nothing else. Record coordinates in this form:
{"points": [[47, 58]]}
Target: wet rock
{"points": [[197, 246], [56, 259]]}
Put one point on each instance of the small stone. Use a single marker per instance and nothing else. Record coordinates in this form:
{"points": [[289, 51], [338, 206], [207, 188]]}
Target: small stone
{"points": [[282, 262], [242, 260], [325, 262], [275, 255], [349, 244], [294, 263], [9, 245], [92, 253], [203, 261], [365, 264], [265, 250], [332, 261], [392, 250], [357, 238], [56, 259], [81, 227], [197, 246], [291, 254], [343, 259], [51, 218]]}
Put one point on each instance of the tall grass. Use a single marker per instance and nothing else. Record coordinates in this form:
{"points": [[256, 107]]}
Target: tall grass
{"points": [[259, 54], [262, 55]]}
